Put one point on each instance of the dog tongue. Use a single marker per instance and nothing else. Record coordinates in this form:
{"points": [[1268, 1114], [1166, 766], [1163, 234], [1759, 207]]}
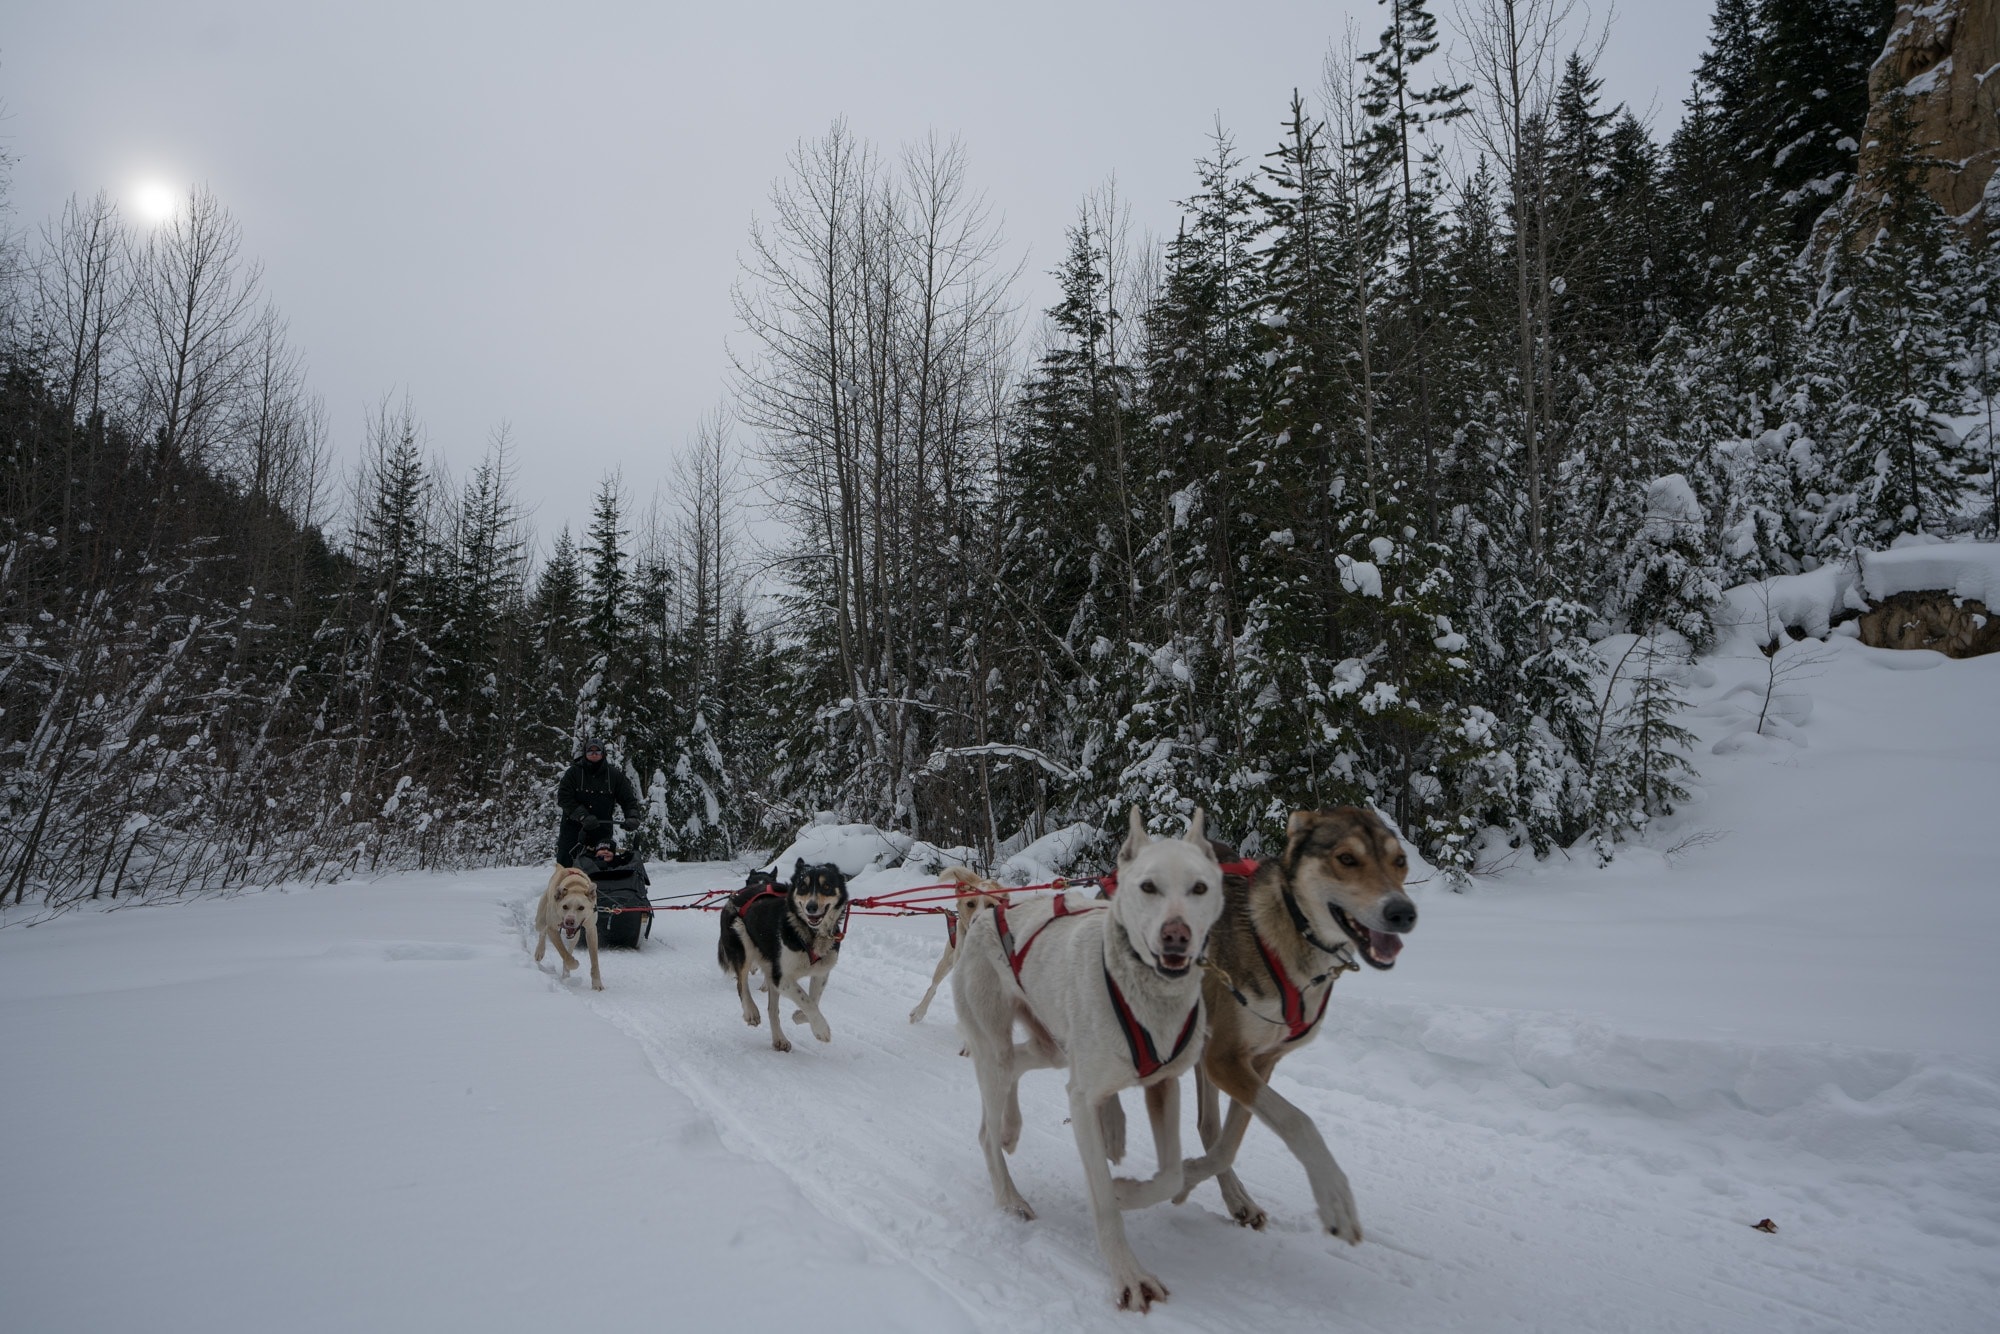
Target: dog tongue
{"points": [[1384, 945]]}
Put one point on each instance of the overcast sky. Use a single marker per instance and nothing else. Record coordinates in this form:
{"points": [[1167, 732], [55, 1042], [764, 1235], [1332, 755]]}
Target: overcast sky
{"points": [[534, 217]]}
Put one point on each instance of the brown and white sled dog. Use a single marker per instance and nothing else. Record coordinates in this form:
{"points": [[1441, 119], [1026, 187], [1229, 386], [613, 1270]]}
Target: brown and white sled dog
{"points": [[1109, 989], [1286, 935], [790, 934], [568, 909], [975, 892]]}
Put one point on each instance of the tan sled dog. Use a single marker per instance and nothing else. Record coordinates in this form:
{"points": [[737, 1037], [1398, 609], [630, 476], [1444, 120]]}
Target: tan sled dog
{"points": [[988, 892], [568, 908], [1287, 933]]}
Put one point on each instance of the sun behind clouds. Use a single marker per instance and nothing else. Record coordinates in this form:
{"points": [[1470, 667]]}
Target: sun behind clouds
{"points": [[156, 201]]}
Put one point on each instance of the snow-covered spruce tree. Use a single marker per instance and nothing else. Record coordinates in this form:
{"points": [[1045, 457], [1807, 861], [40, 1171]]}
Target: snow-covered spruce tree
{"points": [[485, 697], [1788, 81], [1649, 760], [1310, 445], [612, 703], [1748, 398], [1670, 580], [1892, 321], [1064, 597], [1982, 442], [1185, 718], [557, 654], [1403, 158], [1417, 740], [386, 717]]}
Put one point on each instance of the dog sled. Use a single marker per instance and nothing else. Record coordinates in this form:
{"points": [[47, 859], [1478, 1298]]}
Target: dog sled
{"points": [[624, 912]]}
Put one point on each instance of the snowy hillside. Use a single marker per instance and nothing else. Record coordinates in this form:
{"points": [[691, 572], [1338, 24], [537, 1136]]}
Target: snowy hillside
{"points": [[363, 1107]]}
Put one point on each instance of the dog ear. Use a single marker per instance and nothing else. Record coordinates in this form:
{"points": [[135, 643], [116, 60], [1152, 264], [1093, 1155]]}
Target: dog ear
{"points": [[1194, 834], [1136, 837]]}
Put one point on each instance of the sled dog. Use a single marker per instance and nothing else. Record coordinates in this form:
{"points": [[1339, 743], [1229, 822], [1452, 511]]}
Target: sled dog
{"points": [[790, 934], [1110, 990], [985, 893], [1287, 933], [568, 909]]}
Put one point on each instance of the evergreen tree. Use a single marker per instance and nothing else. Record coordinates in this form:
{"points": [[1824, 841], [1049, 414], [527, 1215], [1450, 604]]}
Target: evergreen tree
{"points": [[1893, 323], [1408, 163]]}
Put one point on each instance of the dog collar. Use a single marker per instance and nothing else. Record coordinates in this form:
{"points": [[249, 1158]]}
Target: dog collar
{"points": [[1304, 927]]}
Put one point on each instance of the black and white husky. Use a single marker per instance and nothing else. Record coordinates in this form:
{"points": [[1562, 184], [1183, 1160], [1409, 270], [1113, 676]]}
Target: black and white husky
{"points": [[1111, 990], [790, 934]]}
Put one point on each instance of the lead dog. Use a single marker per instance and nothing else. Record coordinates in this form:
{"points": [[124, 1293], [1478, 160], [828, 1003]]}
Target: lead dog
{"points": [[1110, 990], [568, 909], [983, 893], [1286, 935], [790, 934]]}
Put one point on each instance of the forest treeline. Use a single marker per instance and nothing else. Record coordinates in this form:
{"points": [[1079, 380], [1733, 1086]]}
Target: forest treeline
{"points": [[1325, 497]]}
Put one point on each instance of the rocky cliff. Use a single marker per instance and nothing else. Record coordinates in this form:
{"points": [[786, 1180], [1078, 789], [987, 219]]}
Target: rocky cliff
{"points": [[1944, 55]]}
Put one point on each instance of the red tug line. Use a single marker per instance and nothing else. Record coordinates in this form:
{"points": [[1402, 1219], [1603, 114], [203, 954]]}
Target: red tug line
{"points": [[894, 903]]}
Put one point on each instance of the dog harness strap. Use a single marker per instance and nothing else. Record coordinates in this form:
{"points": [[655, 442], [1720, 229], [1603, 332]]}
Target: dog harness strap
{"points": [[1145, 1056], [1294, 1001], [1016, 958]]}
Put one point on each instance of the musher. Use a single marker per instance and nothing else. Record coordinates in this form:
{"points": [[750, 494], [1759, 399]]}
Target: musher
{"points": [[590, 789]]}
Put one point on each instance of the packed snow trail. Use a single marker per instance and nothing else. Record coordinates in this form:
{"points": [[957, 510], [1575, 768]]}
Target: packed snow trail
{"points": [[363, 1107], [1493, 1198]]}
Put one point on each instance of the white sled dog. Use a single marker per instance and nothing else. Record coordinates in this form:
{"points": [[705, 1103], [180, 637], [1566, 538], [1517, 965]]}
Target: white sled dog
{"points": [[568, 909], [975, 892], [1111, 990]]}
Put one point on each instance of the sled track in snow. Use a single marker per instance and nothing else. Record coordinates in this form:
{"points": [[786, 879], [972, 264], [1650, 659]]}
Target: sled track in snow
{"points": [[1498, 1189]]}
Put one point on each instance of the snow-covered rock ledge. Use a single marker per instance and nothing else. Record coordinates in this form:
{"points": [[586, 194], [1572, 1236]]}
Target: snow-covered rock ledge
{"points": [[1922, 593]]}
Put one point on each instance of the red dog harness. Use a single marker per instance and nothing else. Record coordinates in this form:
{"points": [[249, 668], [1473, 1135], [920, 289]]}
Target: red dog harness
{"points": [[1017, 957], [1145, 1056], [1293, 1000]]}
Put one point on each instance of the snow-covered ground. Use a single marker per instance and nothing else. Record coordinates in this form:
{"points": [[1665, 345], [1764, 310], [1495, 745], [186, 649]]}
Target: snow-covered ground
{"points": [[363, 1107]]}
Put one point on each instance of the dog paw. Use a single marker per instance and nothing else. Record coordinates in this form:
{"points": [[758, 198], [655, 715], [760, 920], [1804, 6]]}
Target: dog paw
{"points": [[1337, 1211], [822, 1032], [596, 986], [1139, 1291], [752, 1018], [1241, 1207], [1019, 1208], [781, 1044]]}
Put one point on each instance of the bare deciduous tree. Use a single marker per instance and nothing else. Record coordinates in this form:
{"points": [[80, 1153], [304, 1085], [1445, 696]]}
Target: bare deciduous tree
{"points": [[876, 313], [193, 323]]}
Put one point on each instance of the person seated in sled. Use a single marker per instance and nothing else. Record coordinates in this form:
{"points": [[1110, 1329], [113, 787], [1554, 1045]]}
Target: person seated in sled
{"points": [[590, 788], [609, 869]]}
